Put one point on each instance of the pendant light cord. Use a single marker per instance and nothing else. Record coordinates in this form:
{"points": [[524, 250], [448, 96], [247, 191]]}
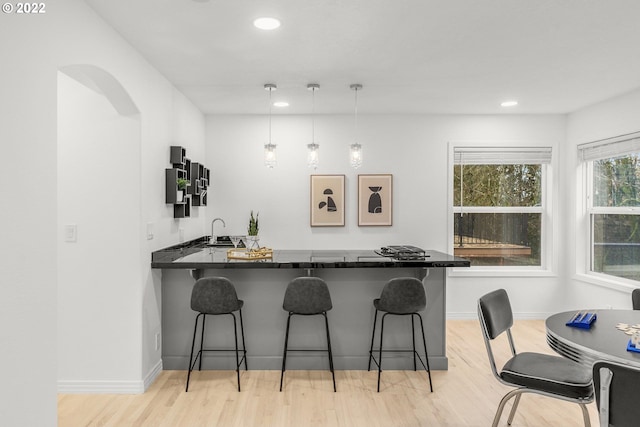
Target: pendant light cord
{"points": [[313, 115], [356, 115], [270, 90]]}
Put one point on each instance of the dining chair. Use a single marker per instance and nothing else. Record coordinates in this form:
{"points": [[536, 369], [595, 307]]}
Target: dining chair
{"points": [[617, 388], [635, 299], [544, 374]]}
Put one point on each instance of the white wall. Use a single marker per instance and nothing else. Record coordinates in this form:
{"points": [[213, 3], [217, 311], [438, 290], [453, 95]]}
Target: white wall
{"points": [[33, 50], [111, 347], [412, 148], [613, 117]]}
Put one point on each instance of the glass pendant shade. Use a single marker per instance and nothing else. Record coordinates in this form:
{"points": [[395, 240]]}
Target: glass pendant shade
{"points": [[270, 159], [313, 155], [355, 155]]}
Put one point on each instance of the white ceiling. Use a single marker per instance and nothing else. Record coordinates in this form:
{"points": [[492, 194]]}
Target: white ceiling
{"points": [[411, 56]]}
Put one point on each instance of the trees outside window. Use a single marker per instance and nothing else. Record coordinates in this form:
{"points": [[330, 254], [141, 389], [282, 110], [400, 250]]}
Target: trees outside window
{"points": [[499, 205], [614, 211]]}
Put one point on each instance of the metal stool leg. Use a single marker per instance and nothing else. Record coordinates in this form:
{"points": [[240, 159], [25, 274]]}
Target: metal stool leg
{"points": [[235, 340], [413, 340], [333, 375], [426, 355], [373, 334], [193, 344], [244, 346], [284, 357], [204, 317], [380, 353]]}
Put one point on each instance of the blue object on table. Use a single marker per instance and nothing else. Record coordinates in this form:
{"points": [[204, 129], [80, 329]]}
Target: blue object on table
{"points": [[631, 347], [582, 320]]}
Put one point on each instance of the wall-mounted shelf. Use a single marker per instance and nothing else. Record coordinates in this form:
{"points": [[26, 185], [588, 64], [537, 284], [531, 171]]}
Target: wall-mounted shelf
{"points": [[194, 194]]}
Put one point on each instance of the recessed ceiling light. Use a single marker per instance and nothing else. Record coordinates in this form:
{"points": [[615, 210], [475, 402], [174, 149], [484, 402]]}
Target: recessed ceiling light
{"points": [[266, 23], [509, 104], [281, 104]]}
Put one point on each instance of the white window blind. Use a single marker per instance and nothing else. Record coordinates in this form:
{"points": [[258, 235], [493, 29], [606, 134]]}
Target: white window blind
{"points": [[610, 147], [502, 155]]}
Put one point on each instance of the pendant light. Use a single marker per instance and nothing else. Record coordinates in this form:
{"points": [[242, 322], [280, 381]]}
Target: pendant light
{"points": [[314, 149], [270, 160], [355, 151]]}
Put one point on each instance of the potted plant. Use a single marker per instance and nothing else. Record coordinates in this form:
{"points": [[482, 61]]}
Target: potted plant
{"points": [[182, 184], [252, 232]]}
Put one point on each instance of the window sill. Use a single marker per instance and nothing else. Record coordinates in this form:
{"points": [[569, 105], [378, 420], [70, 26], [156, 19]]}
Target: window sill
{"points": [[500, 272], [607, 281]]}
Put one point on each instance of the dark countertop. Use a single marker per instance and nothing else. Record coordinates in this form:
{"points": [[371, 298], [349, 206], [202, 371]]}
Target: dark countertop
{"points": [[197, 254]]}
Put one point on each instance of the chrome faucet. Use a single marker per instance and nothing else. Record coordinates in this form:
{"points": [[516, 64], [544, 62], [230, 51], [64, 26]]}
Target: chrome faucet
{"points": [[213, 237]]}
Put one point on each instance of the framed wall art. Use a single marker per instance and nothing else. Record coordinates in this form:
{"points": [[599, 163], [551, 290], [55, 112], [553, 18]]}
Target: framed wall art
{"points": [[375, 199], [327, 200]]}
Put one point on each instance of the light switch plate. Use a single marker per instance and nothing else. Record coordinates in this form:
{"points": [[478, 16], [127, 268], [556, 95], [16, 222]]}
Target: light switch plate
{"points": [[149, 231], [71, 233]]}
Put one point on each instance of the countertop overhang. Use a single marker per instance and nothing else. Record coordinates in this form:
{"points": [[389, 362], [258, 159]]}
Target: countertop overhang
{"points": [[197, 254]]}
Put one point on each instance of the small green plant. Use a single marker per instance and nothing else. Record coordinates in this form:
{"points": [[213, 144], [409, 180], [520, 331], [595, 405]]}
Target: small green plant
{"points": [[182, 183], [253, 225]]}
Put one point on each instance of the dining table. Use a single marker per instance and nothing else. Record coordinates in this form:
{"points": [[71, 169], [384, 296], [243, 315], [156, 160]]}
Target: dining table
{"points": [[607, 338]]}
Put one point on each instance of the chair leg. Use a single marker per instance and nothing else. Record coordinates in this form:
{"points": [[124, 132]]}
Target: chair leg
{"points": [[333, 374], [193, 344], [380, 352], [204, 317], [514, 408], [426, 354], [235, 340], [413, 340], [244, 346], [585, 415], [373, 334], [284, 356], [503, 402]]}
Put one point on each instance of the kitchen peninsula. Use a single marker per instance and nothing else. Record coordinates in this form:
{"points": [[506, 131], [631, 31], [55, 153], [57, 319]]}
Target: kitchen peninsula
{"points": [[355, 278]]}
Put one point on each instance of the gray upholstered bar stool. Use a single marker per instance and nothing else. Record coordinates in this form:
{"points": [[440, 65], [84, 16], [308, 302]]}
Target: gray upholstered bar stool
{"points": [[307, 296], [216, 296], [402, 296]]}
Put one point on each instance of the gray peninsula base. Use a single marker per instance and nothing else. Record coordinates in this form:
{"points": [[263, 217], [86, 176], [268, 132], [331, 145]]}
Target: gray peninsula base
{"points": [[351, 319]]}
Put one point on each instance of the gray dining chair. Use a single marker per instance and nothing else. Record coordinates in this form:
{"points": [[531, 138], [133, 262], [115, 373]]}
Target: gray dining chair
{"points": [[216, 296], [402, 296], [635, 299], [617, 388], [307, 296], [539, 373]]}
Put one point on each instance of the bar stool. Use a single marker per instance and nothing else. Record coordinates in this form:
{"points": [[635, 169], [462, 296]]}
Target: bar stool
{"points": [[307, 296], [401, 296], [215, 296]]}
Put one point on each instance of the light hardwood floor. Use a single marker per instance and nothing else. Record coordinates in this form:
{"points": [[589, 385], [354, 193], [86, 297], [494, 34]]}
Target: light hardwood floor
{"points": [[465, 395]]}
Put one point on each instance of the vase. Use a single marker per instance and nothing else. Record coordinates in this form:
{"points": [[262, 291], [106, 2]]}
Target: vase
{"points": [[251, 242]]}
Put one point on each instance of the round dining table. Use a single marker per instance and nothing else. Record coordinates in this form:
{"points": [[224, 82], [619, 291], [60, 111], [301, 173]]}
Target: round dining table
{"points": [[602, 341]]}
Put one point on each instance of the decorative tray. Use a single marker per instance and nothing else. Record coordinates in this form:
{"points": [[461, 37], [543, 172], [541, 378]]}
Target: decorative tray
{"points": [[582, 320], [252, 254]]}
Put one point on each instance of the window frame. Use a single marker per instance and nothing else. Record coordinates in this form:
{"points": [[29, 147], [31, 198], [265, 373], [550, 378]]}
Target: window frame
{"points": [[603, 149], [547, 263]]}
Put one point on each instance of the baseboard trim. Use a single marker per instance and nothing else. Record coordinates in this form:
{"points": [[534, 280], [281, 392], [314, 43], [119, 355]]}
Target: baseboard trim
{"points": [[110, 386], [517, 316]]}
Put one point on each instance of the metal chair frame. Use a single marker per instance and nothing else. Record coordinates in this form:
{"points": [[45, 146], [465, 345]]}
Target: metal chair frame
{"points": [[192, 361], [286, 345], [413, 338], [517, 393]]}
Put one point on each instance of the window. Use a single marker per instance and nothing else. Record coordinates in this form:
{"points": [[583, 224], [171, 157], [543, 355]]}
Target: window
{"points": [[499, 205], [613, 205]]}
